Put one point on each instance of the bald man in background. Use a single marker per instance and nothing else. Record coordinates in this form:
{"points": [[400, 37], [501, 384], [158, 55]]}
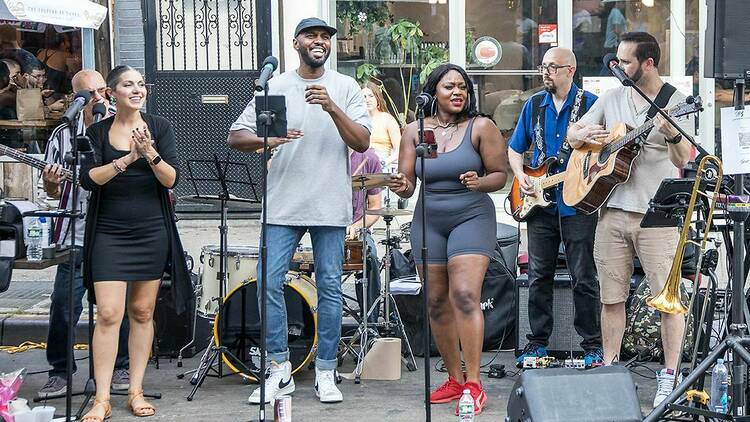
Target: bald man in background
{"points": [[542, 126]]}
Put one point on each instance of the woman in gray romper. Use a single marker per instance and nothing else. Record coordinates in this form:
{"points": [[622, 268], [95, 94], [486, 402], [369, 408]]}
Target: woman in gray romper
{"points": [[471, 161]]}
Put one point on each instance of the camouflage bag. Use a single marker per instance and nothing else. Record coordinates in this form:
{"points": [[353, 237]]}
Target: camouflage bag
{"points": [[643, 327]]}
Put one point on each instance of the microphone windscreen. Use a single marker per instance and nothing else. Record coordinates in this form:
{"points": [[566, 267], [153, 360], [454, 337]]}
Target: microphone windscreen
{"points": [[85, 95], [608, 58], [273, 61], [100, 109]]}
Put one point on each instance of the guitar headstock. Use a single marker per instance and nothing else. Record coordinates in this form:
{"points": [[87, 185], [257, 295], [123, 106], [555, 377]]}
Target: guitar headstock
{"points": [[689, 106]]}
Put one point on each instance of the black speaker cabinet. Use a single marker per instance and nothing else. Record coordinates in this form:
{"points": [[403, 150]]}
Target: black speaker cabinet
{"points": [[173, 331], [605, 394], [563, 314], [727, 43]]}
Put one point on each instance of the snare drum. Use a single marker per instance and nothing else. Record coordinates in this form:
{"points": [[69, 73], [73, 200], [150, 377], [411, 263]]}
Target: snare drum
{"points": [[241, 266]]}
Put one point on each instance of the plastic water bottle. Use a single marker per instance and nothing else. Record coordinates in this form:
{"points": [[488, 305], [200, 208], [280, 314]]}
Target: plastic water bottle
{"points": [[466, 407], [34, 235], [45, 223], [720, 388]]}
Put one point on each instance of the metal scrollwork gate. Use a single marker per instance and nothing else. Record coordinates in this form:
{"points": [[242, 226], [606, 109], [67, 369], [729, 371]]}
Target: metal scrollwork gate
{"points": [[202, 57]]}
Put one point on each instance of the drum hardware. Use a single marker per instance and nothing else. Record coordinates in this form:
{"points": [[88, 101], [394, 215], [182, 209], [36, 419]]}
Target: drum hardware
{"points": [[390, 212], [370, 180], [210, 358]]}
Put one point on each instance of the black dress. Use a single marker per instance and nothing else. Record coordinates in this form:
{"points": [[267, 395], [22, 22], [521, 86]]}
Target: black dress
{"points": [[130, 230]]}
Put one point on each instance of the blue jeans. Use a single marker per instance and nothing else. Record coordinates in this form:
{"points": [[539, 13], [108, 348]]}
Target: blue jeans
{"points": [[57, 338], [328, 253]]}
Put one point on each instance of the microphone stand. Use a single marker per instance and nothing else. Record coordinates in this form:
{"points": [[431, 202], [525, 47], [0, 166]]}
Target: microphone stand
{"points": [[423, 150], [265, 118], [701, 151]]}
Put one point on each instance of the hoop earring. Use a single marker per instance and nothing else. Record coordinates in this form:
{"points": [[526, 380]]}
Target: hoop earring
{"points": [[433, 107]]}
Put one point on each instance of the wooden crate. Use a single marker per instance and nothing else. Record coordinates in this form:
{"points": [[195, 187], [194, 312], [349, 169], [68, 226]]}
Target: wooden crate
{"points": [[18, 180]]}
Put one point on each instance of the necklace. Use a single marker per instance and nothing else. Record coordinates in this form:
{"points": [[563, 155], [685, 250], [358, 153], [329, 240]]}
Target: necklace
{"points": [[445, 126]]}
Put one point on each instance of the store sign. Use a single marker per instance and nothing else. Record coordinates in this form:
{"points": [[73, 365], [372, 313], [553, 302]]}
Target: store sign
{"points": [[547, 33], [487, 51]]}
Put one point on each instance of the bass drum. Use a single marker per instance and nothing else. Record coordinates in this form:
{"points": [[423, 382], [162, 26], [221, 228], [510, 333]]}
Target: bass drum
{"points": [[240, 331]]}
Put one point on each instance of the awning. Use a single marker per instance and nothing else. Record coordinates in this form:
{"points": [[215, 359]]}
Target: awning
{"points": [[78, 13]]}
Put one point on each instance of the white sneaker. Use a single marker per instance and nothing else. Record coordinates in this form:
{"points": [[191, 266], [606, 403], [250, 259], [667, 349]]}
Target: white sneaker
{"points": [[664, 385], [325, 386], [278, 383]]}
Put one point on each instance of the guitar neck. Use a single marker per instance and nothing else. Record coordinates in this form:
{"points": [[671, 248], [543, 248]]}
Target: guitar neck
{"points": [[553, 180], [632, 136], [31, 161]]}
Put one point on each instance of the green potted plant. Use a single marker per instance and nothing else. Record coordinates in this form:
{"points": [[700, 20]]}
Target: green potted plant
{"points": [[406, 36], [361, 15]]}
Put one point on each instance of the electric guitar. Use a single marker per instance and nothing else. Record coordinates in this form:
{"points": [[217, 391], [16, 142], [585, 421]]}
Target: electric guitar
{"points": [[521, 204], [33, 162], [594, 171]]}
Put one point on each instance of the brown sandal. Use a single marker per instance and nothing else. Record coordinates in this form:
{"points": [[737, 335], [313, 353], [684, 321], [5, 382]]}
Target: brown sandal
{"points": [[97, 418], [139, 410]]}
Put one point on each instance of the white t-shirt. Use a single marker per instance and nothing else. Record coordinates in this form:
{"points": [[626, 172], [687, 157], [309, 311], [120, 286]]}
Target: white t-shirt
{"points": [[653, 164], [309, 182]]}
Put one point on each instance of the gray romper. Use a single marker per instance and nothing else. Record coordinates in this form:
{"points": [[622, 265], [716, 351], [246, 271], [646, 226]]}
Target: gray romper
{"points": [[459, 221]]}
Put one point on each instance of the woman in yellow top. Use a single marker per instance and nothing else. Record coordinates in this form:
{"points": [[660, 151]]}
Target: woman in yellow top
{"points": [[386, 133]]}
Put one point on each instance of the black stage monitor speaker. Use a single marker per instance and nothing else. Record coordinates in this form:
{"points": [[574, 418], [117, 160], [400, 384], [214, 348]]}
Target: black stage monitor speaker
{"points": [[563, 314], [727, 44], [605, 394]]}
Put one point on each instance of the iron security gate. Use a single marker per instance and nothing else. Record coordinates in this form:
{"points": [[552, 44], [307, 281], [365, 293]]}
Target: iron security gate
{"points": [[202, 58]]}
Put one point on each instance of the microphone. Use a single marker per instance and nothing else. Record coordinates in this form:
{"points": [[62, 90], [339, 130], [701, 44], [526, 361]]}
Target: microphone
{"points": [[81, 99], [423, 99], [99, 111], [611, 62], [266, 71]]}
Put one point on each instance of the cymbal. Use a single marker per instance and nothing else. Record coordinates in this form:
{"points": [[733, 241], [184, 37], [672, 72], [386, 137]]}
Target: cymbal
{"points": [[370, 180], [391, 212], [232, 202]]}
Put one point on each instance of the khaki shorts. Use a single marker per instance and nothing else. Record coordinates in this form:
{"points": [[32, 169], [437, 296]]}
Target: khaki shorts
{"points": [[619, 237]]}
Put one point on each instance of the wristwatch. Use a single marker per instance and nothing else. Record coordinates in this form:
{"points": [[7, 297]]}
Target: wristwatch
{"points": [[675, 140], [154, 161]]}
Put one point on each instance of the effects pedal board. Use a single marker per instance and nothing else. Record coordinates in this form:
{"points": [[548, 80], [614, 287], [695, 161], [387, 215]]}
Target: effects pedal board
{"points": [[533, 362]]}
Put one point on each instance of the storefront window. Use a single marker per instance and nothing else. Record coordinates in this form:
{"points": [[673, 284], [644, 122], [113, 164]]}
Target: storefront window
{"points": [[393, 43], [37, 63], [505, 41], [597, 26]]}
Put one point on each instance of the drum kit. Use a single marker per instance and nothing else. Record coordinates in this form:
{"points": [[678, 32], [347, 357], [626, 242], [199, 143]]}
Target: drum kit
{"points": [[230, 301]]}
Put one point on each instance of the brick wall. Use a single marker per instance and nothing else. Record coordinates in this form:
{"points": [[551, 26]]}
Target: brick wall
{"points": [[129, 42]]}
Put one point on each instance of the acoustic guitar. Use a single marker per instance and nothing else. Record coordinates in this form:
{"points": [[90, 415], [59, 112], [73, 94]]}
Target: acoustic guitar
{"points": [[594, 171]]}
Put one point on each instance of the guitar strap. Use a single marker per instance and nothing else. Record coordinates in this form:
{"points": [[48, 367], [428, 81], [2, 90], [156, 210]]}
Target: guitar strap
{"points": [[579, 107], [661, 100]]}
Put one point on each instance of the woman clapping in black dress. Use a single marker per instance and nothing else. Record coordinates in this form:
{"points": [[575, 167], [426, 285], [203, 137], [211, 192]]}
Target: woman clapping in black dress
{"points": [[131, 238]]}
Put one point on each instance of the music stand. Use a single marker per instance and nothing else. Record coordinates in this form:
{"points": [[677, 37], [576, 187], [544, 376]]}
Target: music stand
{"points": [[668, 207], [213, 173]]}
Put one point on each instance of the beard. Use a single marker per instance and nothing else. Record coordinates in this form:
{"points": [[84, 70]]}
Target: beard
{"points": [[637, 75], [311, 61], [550, 87]]}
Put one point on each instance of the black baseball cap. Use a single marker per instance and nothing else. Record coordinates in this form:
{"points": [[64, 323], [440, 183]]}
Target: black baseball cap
{"points": [[308, 23]]}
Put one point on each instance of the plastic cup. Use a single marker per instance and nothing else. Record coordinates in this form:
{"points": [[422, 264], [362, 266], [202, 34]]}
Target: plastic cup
{"points": [[24, 416], [43, 413]]}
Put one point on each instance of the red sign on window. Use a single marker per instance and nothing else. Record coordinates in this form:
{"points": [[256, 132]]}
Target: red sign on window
{"points": [[547, 33]]}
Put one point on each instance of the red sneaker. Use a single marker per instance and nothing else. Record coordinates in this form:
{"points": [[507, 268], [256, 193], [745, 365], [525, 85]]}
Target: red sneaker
{"points": [[477, 392], [447, 392]]}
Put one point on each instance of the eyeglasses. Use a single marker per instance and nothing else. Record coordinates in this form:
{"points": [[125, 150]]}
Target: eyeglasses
{"points": [[551, 68]]}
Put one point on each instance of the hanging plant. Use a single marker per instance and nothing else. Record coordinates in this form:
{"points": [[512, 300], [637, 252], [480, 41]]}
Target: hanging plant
{"points": [[361, 15]]}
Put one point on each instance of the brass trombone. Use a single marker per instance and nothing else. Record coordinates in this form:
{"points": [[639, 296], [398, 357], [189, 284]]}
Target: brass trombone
{"points": [[669, 300]]}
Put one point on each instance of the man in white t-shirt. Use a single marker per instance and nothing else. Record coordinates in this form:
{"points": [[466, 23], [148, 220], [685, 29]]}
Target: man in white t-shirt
{"points": [[619, 236], [309, 189]]}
